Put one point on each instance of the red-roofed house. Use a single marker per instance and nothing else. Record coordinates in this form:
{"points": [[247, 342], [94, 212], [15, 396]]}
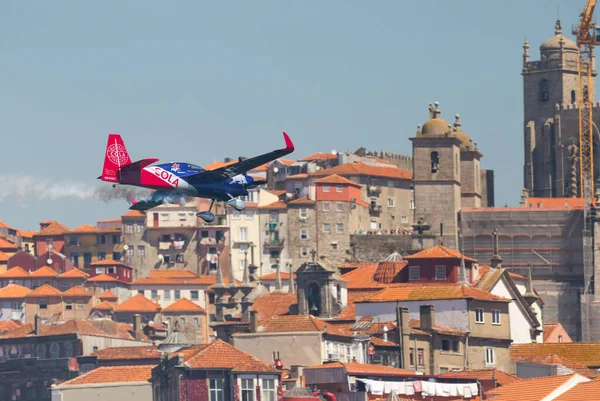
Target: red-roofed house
{"points": [[189, 319], [218, 370], [23, 259], [113, 268], [88, 244], [137, 304], [51, 235], [555, 333]]}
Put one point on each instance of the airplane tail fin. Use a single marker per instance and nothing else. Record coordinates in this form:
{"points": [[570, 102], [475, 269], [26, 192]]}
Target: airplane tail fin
{"points": [[115, 158]]}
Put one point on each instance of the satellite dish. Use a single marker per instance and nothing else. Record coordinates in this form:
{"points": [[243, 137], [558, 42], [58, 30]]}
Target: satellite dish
{"points": [[126, 247], [318, 168], [275, 169], [49, 261]]}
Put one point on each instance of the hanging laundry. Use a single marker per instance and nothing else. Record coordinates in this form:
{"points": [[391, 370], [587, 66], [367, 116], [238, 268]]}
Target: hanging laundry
{"points": [[453, 390], [439, 389], [410, 388], [474, 388], [400, 387], [460, 389], [424, 389], [377, 387], [387, 387], [467, 392], [446, 389], [418, 387]]}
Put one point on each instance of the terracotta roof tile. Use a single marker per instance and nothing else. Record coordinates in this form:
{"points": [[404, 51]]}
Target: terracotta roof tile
{"points": [[13, 291], [3, 257], [44, 291], [183, 305], [302, 176], [134, 213], [438, 252], [582, 391], [126, 353], [107, 296], [431, 291], [8, 246], [534, 389], [274, 205], [365, 169], [416, 324], [4, 225], [273, 304], [273, 276], [378, 342], [299, 323], [305, 200], [584, 353], [138, 303], [556, 360], [113, 374], [53, 228], [362, 277], [15, 272], [99, 328], [503, 379], [44, 272], [336, 179], [102, 278], [73, 273], [26, 234], [219, 354], [9, 325], [553, 203], [320, 156], [104, 305], [172, 274], [86, 228], [76, 292], [108, 262], [364, 369]]}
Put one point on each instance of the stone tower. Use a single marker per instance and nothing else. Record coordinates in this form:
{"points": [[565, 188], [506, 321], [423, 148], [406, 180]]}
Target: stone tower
{"points": [[550, 93], [436, 176]]}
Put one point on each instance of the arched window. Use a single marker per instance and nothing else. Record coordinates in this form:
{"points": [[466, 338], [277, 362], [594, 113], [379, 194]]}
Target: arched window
{"points": [[54, 350], [68, 350], [435, 162], [544, 95], [573, 97], [40, 351], [314, 299]]}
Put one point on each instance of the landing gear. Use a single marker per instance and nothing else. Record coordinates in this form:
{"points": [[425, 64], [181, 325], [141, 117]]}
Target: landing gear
{"points": [[207, 216]]}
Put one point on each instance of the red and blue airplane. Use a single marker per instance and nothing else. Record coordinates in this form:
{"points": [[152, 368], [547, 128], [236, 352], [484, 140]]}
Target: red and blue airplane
{"points": [[173, 182]]}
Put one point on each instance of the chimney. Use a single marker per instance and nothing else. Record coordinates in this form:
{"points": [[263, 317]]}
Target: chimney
{"points": [[137, 326], [427, 317], [38, 324], [253, 322]]}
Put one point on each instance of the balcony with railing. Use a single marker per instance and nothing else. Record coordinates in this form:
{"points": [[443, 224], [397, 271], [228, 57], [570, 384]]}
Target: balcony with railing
{"points": [[275, 243], [374, 209]]}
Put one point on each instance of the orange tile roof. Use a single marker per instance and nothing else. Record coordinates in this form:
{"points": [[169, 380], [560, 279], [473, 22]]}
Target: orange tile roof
{"points": [[54, 228], [86, 228], [157, 281], [362, 277], [273, 276], [3, 257], [75, 292], [566, 203], [584, 353], [432, 291], [173, 273], [183, 305], [416, 324], [104, 305], [15, 272], [44, 291], [26, 234], [102, 278], [503, 379], [108, 262], [215, 165], [138, 303], [299, 323], [556, 360], [274, 205], [273, 304], [13, 291], [533, 389], [582, 391], [221, 355], [9, 325], [134, 213], [302, 176], [378, 342], [305, 200], [320, 156], [73, 273], [438, 252], [553, 330], [107, 295], [113, 374], [287, 162], [98, 328], [8, 246], [365, 169], [115, 220], [126, 353], [364, 369], [4, 225], [336, 179], [44, 272]]}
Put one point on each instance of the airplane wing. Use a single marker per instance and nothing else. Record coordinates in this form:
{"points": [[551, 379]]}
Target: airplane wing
{"points": [[144, 205], [243, 165]]}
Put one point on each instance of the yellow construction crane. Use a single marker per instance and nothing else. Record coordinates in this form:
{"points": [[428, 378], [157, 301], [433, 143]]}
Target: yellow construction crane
{"points": [[586, 39]]}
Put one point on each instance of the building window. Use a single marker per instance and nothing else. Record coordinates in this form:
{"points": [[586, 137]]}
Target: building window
{"points": [[142, 292], [411, 357], [573, 97], [164, 217], [334, 245], [179, 258], [216, 389], [139, 228], [235, 215], [154, 294], [116, 239], [479, 315], [455, 346], [495, 316], [421, 356], [340, 207], [339, 227], [101, 256], [182, 321], [141, 250], [325, 206], [440, 272], [68, 305], [489, 356], [414, 273], [129, 228], [269, 393], [211, 298], [304, 252], [167, 295], [303, 213], [247, 390], [17, 306], [411, 204], [445, 345], [43, 303], [40, 351], [177, 294], [196, 321], [339, 188], [444, 370], [79, 305], [403, 220], [326, 228], [435, 162], [243, 234], [390, 202], [194, 295], [75, 259], [249, 214], [304, 234], [560, 339], [544, 94], [68, 350], [325, 188]]}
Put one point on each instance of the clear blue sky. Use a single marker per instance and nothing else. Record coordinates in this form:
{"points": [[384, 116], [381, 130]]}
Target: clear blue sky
{"points": [[197, 81]]}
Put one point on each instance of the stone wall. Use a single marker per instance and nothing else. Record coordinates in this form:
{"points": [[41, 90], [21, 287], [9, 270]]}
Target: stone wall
{"points": [[374, 248]]}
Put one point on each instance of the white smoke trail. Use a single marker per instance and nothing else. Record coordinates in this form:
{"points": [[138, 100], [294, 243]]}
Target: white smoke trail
{"points": [[29, 187]]}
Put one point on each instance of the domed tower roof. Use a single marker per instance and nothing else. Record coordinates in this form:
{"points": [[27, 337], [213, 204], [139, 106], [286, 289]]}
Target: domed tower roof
{"points": [[388, 269], [437, 126], [551, 48]]}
